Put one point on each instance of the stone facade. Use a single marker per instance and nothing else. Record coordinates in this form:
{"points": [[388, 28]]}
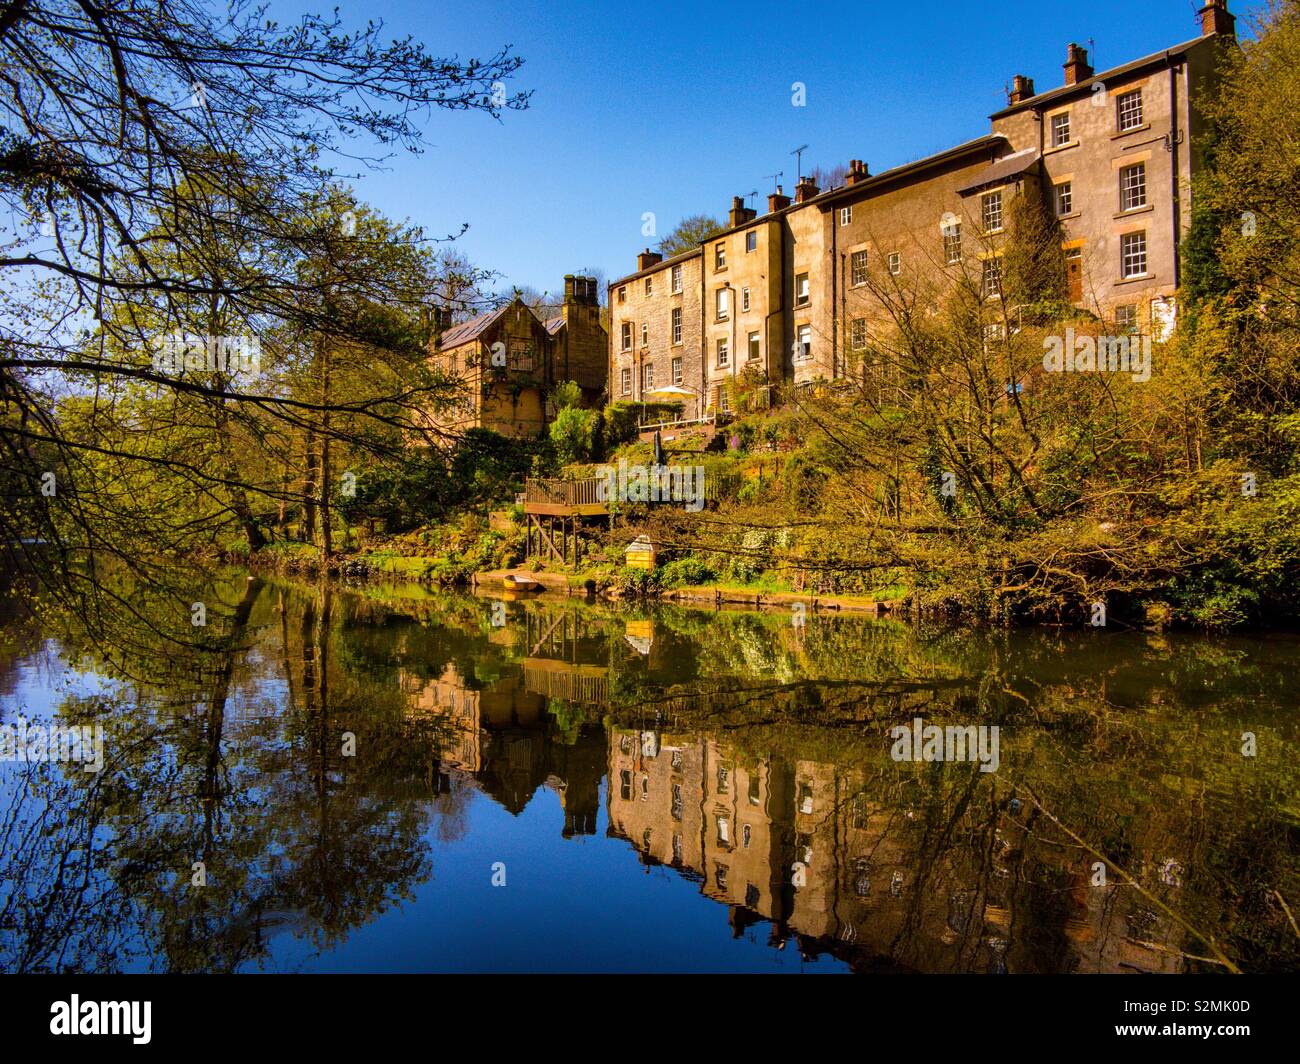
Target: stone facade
{"points": [[789, 296], [508, 361]]}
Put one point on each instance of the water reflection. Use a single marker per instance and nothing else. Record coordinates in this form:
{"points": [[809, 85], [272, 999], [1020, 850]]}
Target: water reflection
{"points": [[344, 766]]}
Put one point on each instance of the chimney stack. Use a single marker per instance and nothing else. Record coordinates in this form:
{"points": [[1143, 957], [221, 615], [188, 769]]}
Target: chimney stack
{"points": [[441, 321], [569, 286], [648, 258], [805, 190], [740, 214], [1076, 65], [1021, 89], [1216, 18], [777, 201], [857, 172]]}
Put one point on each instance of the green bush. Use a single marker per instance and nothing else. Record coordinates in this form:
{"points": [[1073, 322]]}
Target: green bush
{"points": [[573, 432], [566, 394], [686, 572]]}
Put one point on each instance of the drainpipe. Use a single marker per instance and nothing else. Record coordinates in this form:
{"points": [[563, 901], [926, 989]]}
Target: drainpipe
{"points": [[836, 266], [1175, 135]]}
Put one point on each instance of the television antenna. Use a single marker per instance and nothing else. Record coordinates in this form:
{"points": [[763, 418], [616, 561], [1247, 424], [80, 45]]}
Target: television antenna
{"points": [[775, 178], [798, 155], [750, 195]]}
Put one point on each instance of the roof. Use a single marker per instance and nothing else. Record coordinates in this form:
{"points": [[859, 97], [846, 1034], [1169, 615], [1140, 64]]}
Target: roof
{"points": [[989, 142], [1085, 86], [472, 329], [680, 257], [1003, 169], [554, 325]]}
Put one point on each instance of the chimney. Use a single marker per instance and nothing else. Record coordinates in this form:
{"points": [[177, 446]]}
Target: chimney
{"points": [[648, 258], [857, 172], [739, 214], [569, 287], [1021, 89], [805, 190], [1216, 18], [1076, 65], [441, 321], [777, 201], [587, 291]]}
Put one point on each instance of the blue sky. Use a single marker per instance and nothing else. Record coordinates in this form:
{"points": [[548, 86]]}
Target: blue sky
{"points": [[674, 108]]}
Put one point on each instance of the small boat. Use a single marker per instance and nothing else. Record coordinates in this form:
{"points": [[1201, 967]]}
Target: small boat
{"points": [[514, 582]]}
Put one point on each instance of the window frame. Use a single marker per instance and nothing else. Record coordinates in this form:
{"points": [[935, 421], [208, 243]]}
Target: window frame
{"points": [[804, 298], [1133, 195], [1120, 115], [1126, 241], [1055, 128], [1063, 194], [987, 199], [853, 267]]}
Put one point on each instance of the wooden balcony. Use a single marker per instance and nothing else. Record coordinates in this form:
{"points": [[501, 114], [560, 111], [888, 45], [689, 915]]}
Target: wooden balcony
{"points": [[564, 498]]}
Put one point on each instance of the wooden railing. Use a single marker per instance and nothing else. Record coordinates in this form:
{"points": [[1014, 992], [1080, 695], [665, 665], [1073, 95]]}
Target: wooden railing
{"points": [[563, 492]]}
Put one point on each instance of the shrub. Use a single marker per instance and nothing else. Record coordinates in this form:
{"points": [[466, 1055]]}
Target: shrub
{"points": [[573, 432]]}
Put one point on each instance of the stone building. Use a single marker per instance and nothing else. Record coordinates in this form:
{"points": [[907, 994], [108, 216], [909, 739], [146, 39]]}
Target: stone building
{"points": [[789, 296], [509, 360]]}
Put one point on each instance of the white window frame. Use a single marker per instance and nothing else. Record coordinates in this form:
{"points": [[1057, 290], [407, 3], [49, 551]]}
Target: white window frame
{"points": [[722, 304], [991, 277], [722, 352], [802, 290], [751, 241], [991, 208], [755, 339], [719, 256], [675, 275], [676, 319], [1130, 254], [625, 336], [804, 339], [895, 263], [952, 244], [625, 380], [1128, 115], [744, 298], [1133, 187], [1061, 123], [677, 370], [846, 215], [857, 259]]}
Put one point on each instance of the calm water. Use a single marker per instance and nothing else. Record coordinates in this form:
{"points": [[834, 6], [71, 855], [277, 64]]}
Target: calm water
{"points": [[391, 780]]}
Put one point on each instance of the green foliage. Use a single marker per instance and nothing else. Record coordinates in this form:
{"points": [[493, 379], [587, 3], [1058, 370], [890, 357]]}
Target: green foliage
{"points": [[575, 434], [688, 233], [621, 423], [686, 572], [566, 394]]}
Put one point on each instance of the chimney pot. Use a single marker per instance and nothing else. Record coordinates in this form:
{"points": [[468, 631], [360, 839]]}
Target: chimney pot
{"points": [[1021, 89], [1076, 65], [1216, 18], [648, 258]]}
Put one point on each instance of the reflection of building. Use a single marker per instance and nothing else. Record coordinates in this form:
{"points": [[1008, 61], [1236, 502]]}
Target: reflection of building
{"points": [[828, 856], [501, 734]]}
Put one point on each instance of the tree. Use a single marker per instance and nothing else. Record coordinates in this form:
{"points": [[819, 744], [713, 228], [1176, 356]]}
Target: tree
{"points": [[689, 232]]}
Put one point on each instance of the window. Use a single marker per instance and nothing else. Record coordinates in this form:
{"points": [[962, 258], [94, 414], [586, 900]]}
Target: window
{"points": [[806, 807], [622, 293], [895, 263], [625, 381], [724, 779], [1128, 110], [803, 345], [858, 334], [744, 298], [677, 325], [751, 241], [994, 331], [649, 286], [724, 352], [647, 377], [802, 292], [858, 267], [1133, 187], [991, 284], [625, 785], [720, 876], [645, 335], [991, 211], [1064, 199], [626, 333], [676, 807], [677, 849], [521, 356], [722, 300], [952, 243], [720, 256], [755, 347], [724, 831], [676, 278], [1133, 254], [1126, 318], [724, 401], [755, 791], [1060, 129], [645, 788], [746, 835], [846, 215], [677, 370]]}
